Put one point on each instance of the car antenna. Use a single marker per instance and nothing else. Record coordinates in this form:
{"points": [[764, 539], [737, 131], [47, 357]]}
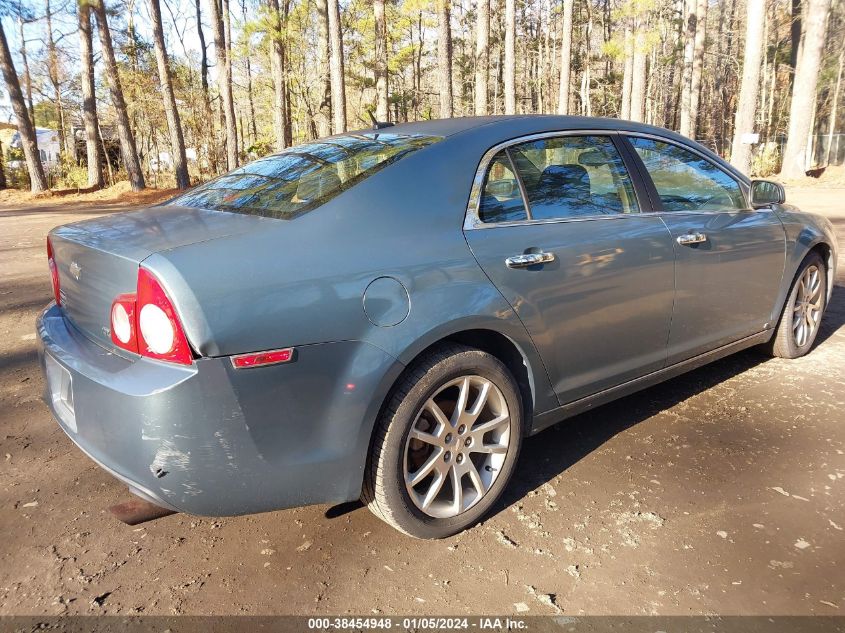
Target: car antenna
{"points": [[378, 125]]}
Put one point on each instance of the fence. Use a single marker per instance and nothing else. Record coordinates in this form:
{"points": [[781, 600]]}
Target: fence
{"points": [[771, 150]]}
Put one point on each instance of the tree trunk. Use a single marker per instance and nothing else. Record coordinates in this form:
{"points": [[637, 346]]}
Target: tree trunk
{"points": [[253, 129], [53, 75], [482, 56], [795, 33], [510, 57], [277, 58], [669, 117], [89, 100], [804, 89], [638, 74], [747, 106], [831, 126], [444, 58], [203, 57], [324, 111], [286, 83], [336, 71], [124, 131], [459, 86], [690, 31], [628, 73], [177, 142], [27, 77], [2, 170], [224, 83], [227, 39], [586, 105], [382, 112], [29, 142], [105, 151], [208, 122], [697, 66], [565, 58], [252, 125]]}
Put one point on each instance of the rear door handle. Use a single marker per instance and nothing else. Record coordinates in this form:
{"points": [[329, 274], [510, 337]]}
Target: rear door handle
{"points": [[529, 259], [692, 238]]}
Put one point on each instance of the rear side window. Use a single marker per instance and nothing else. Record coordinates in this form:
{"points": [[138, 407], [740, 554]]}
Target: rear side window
{"points": [[686, 181], [572, 176], [304, 177], [501, 199]]}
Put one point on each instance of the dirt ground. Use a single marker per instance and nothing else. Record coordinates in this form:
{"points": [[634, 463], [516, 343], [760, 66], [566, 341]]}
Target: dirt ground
{"points": [[719, 492]]}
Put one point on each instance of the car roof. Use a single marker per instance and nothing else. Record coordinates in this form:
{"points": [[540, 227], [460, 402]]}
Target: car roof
{"points": [[499, 123], [500, 128]]}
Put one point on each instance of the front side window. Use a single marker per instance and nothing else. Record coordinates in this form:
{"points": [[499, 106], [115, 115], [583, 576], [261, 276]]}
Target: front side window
{"points": [[304, 177], [686, 181], [572, 176], [501, 199]]}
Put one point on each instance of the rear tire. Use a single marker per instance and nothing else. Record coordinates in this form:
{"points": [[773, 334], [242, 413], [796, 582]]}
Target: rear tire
{"points": [[801, 318], [446, 444]]}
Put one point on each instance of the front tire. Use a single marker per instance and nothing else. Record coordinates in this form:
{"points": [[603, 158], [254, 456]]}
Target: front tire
{"points": [[801, 318], [446, 445]]}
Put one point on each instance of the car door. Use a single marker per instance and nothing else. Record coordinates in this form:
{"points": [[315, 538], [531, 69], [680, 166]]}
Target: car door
{"points": [[729, 258], [554, 222]]}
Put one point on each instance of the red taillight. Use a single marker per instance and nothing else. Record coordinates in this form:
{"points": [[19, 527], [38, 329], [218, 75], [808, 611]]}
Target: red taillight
{"points": [[258, 359], [54, 273], [124, 323], [146, 323], [160, 333]]}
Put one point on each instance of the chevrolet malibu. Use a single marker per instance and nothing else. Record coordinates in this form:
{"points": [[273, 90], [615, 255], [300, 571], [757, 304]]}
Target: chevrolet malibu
{"points": [[386, 314]]}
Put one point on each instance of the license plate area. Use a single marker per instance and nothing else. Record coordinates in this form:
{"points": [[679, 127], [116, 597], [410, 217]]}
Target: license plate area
{"points": [[60, 385]]}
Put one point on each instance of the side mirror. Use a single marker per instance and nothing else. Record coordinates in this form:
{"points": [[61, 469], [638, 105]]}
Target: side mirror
{"points": [[765, 193]]}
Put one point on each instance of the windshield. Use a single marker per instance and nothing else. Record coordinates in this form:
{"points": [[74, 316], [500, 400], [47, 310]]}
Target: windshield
{"points": [[302, 178]]}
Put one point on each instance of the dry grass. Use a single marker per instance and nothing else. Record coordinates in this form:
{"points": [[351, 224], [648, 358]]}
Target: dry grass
{"points": [[119, 194]]}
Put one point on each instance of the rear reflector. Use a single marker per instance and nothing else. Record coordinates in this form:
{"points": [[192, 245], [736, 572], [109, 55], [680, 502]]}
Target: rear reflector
{"points": [[54, 273], [272, 357]]}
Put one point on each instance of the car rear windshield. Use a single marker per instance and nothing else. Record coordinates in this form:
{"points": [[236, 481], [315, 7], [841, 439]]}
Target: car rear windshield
{"points": [[302, 178]]}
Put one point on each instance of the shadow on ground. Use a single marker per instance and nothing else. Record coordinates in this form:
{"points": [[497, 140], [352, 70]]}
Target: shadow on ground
{"points": [[550, 453]]}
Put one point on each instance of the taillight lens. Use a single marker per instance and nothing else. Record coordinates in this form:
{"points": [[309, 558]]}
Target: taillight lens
{"points": [[123, 322], [146, 323], [54, 273], [160, 333]]}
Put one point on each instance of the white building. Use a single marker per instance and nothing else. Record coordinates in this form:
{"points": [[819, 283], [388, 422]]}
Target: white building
{"points": [[48, 146]]}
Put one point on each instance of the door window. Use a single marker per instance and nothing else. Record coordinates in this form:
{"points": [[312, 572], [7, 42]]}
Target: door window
{"points": [[686, 181], [501, 199], [574, 176]]}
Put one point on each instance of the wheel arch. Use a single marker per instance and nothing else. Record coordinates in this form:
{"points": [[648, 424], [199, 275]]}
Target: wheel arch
{"points": [[825, 250], [518, 355], [799, 246], [509, 353]]}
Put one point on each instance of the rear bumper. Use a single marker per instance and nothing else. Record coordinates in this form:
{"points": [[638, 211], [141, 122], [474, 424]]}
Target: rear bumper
{"points": [[211, 440]]}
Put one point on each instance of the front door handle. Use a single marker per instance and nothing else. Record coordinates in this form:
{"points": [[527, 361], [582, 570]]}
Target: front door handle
{"points": [[692, 238], [529, 259]]}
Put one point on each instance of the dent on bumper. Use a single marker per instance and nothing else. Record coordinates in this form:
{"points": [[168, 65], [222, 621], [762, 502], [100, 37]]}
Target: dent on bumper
{"points": [[211, 440]]}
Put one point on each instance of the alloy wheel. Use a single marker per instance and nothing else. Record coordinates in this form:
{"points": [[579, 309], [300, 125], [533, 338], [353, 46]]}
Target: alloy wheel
{"points": [[456, 446], [807, 310]]}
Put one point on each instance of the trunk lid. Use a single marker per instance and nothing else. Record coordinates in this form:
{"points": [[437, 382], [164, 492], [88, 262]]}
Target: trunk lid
{"points": [[98, 259]]}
